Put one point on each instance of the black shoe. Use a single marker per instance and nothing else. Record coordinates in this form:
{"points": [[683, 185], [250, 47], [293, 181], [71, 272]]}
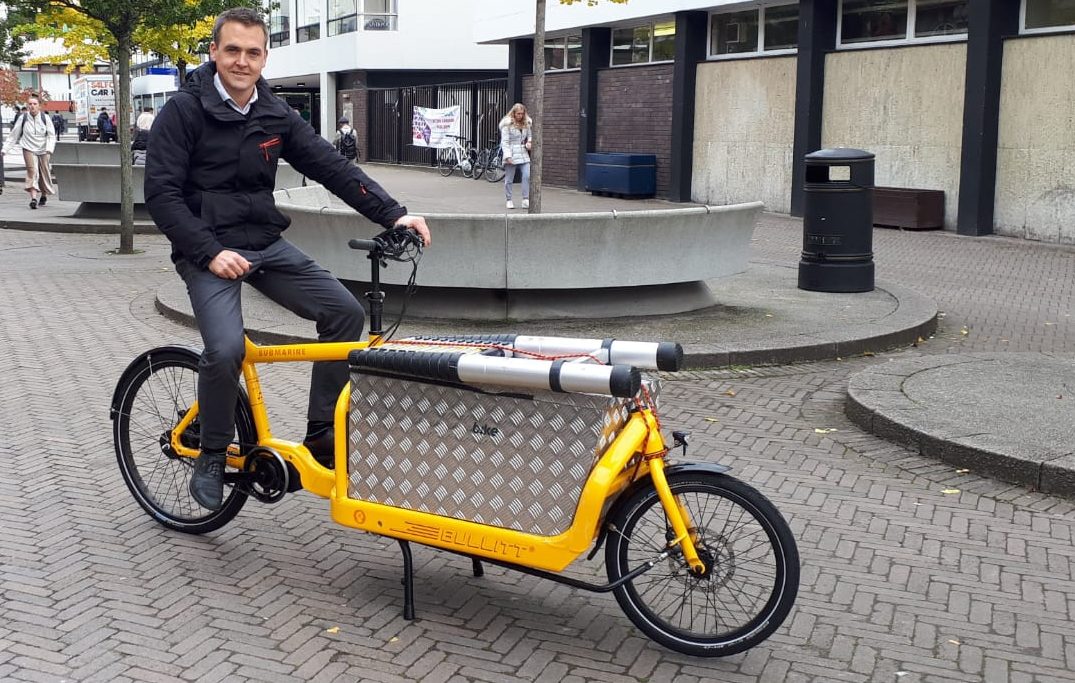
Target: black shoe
{"points": [[323, 448], [33, 203], [207, 482], [41, 202]]}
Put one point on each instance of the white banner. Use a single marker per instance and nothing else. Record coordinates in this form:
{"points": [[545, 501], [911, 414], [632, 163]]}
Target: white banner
{"points": [[430, 126]]}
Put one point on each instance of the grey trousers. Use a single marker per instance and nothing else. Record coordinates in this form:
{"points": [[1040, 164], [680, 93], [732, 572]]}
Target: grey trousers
{"points": [[292, 279]]}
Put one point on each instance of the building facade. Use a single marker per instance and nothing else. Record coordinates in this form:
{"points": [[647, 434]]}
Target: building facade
{"points": [[332, 58], [971, 97]]}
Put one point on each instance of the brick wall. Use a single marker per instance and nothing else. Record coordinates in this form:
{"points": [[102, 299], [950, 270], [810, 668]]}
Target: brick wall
{"points": [[634, 114], [560, 126]]}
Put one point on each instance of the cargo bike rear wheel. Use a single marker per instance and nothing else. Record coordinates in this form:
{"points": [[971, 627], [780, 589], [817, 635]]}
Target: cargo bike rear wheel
{"points": [[752, 566], [152, 398]]}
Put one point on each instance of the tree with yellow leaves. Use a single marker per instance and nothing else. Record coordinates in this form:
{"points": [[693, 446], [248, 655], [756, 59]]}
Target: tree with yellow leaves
{"points": [[116, 27]]}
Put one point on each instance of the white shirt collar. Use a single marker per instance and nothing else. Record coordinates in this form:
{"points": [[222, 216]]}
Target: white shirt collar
{"points": [[229, 101]]}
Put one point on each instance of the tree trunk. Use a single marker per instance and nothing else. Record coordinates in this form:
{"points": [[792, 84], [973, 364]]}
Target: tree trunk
{"points": [[123, 129], [181, 67], [537, 109]]}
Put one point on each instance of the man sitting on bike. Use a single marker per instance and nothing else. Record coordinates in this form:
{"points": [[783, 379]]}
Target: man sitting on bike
{"points": [[209, 187]]}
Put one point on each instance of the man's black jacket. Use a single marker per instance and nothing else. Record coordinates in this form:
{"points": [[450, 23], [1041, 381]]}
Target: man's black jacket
{"points": [[210, 179]]}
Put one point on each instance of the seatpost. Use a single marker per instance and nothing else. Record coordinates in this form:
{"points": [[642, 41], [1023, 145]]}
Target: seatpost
{"points": [[375, 296]]}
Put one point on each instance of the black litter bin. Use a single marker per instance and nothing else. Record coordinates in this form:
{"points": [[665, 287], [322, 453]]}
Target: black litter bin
{"points": [[837, 251]]}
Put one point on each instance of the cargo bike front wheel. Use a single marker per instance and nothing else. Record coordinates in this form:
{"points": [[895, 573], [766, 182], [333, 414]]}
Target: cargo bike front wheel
{"points": [[751, 571]]}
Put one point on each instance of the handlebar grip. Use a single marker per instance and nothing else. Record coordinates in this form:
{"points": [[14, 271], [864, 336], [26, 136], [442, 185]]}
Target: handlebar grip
{"points": [[364, 245]]}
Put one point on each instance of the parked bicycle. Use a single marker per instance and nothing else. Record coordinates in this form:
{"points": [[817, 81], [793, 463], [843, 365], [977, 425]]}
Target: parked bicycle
{"points": [[461, 154], [494, 166], [485, 155], [521, 451]]}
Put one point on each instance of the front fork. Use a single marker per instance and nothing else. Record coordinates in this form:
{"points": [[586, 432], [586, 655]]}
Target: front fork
{"points": [[686, 535]]}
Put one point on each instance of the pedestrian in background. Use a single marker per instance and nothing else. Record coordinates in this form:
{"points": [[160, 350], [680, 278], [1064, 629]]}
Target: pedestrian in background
{"points": [[346, 142], [145, 119], [35, 134], [106, 131], [515, 134]]}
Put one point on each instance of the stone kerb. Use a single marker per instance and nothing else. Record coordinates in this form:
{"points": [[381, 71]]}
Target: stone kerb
{"points": [[527, 266]]}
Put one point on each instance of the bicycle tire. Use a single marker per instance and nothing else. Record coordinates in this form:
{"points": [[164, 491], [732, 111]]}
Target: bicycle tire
{"points": [[446, 161], [749, 548], [469, 162], [494, 170], [479, 164], [150, 404]]}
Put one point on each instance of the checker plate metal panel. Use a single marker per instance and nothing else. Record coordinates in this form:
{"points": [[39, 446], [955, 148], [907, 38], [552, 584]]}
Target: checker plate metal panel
{"points": [[511, 460]]}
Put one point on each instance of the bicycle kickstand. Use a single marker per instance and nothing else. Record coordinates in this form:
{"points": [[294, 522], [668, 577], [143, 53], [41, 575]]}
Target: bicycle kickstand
{"points": [[408, 581]]}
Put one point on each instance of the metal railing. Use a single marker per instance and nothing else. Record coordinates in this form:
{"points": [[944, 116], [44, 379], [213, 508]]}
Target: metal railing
{"points": [[481, 105]]}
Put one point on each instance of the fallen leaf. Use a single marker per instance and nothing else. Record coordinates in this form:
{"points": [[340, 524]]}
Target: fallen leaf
{"points": [[730, 392], [1050, 323], [964, 331], [711, 419], [823, 431], [868, 353], [393, 639], [334, 629], [901, 674], [949, 490], [953, 641], [962, 471]]}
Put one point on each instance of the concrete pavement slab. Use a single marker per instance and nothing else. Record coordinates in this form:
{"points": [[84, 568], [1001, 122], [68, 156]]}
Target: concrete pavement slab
{"points": [[912, 570], [1009, 414]]}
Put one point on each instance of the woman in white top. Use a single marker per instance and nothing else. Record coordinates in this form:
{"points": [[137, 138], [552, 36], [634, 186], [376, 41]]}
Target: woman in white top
{"points": [[36, 135], [515, 144]]}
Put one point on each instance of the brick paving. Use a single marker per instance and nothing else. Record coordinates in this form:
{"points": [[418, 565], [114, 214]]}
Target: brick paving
{"points": [[900, 582]]}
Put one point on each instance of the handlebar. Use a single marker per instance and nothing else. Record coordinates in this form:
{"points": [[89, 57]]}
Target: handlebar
{"points": [[392, 244]]}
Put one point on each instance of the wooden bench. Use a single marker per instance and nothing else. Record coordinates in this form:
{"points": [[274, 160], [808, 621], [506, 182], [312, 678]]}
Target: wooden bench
{"points": [[907, 208]]}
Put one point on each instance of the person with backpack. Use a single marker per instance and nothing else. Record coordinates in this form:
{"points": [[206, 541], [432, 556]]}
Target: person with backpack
{"points": [[35, 134], [346, 142], [106, 132], [59, 124]]}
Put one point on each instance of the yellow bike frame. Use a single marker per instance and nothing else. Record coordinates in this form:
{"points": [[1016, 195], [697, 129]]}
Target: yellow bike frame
{"points": [[639, 441]]}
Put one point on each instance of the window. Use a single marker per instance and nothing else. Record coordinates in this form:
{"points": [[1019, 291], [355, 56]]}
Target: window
{"points": [[343, 17], [781, 27], [28, 79], [563, 53], [555, 54], [869, 21], [643, 44], [379, 15], [734, 33], [309, 20], [280, 24], [664, 42], [574, 52], [1048, 14], [753, 31]]}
